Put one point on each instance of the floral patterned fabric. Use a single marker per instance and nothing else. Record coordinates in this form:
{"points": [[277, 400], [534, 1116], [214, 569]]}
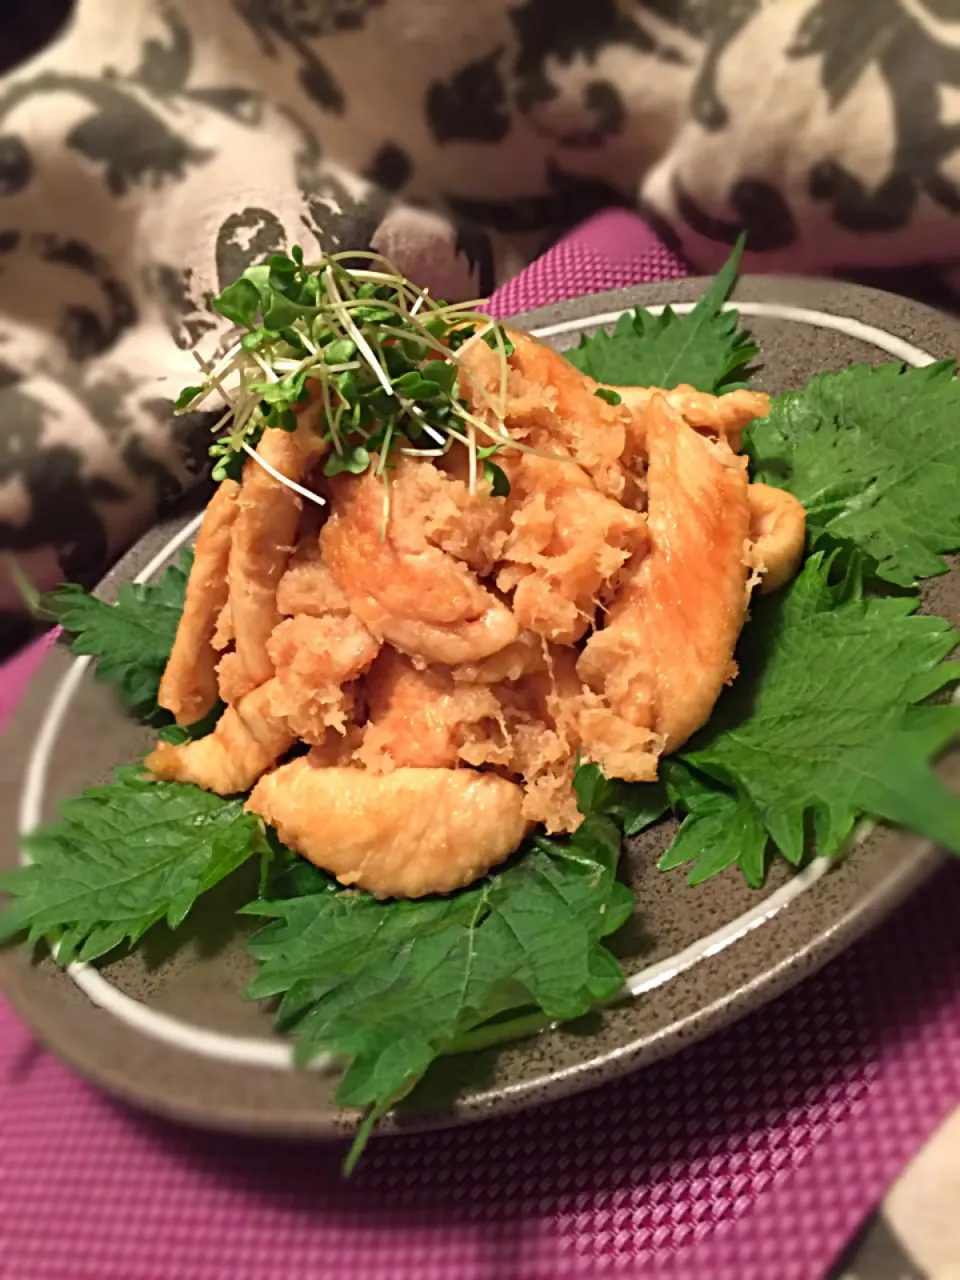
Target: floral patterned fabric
{"points": [[157, 147]]}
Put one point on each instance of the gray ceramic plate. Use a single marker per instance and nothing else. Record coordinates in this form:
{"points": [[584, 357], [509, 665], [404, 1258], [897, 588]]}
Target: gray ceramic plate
{"points": [[166, 1028]]}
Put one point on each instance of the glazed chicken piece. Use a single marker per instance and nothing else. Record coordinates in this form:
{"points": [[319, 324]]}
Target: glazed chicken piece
{"points": [[436, 499], [405, 590], [433, 718], [232, 678], [263, 538], [248, 739], [316, 661], [223, 631], [778, 526], [667, 649], [308, 586], [549, 405], [189, 685], [526, 654], [536, 735], [567, 544], [397, 835], [337, 749], [721, 416], [621, 748], [418, 718]]}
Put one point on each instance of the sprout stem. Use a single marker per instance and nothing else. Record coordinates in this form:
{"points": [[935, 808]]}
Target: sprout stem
{"points": [[278, 475], [375, 343]]}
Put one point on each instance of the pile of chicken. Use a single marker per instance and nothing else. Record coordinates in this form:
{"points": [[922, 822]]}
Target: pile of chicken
{"points": [[408, 698]]}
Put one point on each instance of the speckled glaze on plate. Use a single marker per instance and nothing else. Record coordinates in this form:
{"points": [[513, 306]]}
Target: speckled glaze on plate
{"points": [[166, 1028]]}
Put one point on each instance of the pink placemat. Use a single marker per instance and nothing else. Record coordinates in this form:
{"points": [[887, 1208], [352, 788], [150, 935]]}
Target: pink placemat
{"points": [[753, 1155]]}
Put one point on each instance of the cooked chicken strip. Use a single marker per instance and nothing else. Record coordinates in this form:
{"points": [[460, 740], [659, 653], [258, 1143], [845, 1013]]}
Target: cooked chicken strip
{"points": [[309, 587], [535, 735], [435, 500], [723, 416], [263, 538], [189, 685], [667, 649], [567, 544], [622, 749], [446, 645], [778, 525], [425, 602], [336, 750], [527, 653], [223, 632], [316, 659], [397, 835], [248, 739], [418, 718], [550, 405]]}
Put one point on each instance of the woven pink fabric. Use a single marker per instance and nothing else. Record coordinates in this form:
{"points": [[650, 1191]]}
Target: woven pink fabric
{"points": [[752, 1156], [611, 250]]}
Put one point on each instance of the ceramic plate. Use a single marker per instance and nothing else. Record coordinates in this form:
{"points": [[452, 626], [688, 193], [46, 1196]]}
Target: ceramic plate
{"points": [[166, 1028]]}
